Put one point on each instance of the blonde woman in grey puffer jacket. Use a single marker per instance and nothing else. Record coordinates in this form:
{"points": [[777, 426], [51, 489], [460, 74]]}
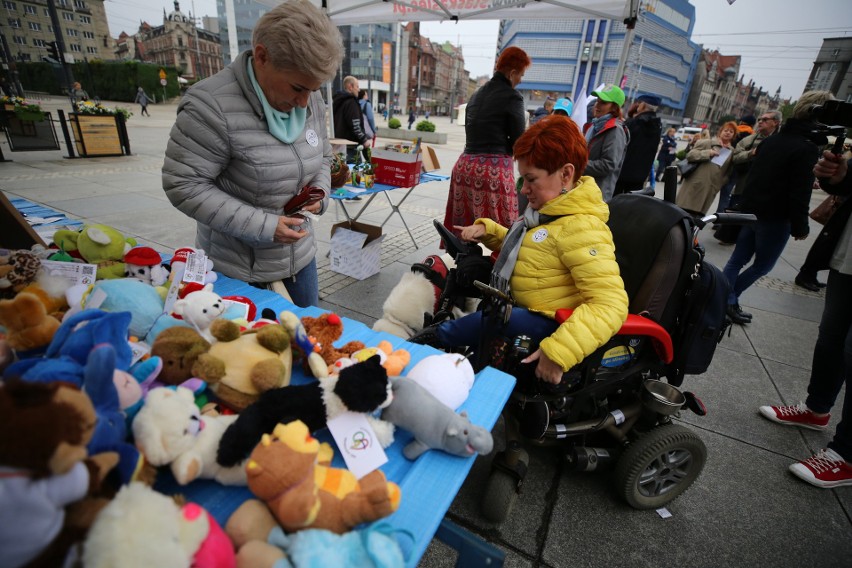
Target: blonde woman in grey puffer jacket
{"points": [[250, 138]]}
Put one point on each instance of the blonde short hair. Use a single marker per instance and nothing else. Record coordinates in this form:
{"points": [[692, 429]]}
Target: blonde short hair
{"points": [[802, 110], [297, 35]]}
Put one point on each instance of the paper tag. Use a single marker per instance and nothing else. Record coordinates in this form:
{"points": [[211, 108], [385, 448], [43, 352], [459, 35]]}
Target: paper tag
{"points": [[664, 513], [174, 287], [357, 443], [74, 272], [196, 267], [95, 299], [138, 349]]}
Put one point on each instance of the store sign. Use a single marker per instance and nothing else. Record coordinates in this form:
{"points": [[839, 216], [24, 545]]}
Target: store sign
{"points": [[386, 62]]}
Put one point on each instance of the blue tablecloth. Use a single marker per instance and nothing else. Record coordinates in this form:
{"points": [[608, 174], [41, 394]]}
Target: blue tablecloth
{"points": [[346, 192]]}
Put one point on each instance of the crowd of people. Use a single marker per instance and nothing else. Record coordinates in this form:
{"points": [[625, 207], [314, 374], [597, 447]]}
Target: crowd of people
{"points": [[252, 137]]}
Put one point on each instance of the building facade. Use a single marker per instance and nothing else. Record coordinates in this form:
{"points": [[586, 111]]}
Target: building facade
{"points": [[178, 43], [82, 32], [831, 70], [575, 56]]}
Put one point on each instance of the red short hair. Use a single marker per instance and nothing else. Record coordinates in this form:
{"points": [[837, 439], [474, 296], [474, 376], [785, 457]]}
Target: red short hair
{"points": [[552, 142], [512, 59]]}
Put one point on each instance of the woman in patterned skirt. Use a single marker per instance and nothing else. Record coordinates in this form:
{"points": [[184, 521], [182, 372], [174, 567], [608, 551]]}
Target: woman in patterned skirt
{"points": [[483, 182]]}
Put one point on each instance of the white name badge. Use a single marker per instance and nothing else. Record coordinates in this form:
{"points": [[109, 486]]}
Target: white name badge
{"points": [[312, 138], [357, 442]]}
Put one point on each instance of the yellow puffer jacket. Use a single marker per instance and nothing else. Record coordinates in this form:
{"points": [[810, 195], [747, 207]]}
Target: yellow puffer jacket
{"points": [[569, 263]]}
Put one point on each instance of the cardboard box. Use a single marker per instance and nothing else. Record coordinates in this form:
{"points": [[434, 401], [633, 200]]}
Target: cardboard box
{"points": [[396, 168], [356, 249]]}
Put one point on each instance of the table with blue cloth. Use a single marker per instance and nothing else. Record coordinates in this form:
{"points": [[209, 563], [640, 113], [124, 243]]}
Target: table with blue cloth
{"points": [[429, 484], [340, 196]]}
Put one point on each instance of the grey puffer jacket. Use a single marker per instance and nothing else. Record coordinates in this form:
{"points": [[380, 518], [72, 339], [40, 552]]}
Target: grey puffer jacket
{"points": [[225, 170]]}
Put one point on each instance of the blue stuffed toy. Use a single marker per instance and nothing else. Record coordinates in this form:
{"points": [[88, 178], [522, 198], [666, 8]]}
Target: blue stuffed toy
{"points": [[371, 547]]}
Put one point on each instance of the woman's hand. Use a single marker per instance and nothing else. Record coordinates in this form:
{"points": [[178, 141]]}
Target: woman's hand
{"points": [[471, 233], [546, 370], [313, 207], [289, 230]]}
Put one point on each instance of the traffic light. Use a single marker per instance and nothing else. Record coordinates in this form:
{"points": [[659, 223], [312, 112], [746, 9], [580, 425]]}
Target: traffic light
{"points": [[53, 51]]}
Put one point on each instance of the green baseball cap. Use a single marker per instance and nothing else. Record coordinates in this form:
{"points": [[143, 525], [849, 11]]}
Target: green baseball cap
{"points": [[610, 94]]}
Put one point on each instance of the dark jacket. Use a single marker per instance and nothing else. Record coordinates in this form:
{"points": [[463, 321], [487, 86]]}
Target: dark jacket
{"points": [[495, 118], [539, 113], [826, 242], [668, 143], [781, 178], [606, 154], [347, 118], [645, 131]]}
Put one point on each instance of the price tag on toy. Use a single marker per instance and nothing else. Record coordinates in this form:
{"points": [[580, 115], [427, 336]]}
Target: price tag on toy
{"points": [[73, 272], [357, 442], [196, 267], [138, 349]]}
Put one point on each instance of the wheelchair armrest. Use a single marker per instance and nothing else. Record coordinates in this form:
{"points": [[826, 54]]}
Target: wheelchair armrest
{"points": [[637, 325]]}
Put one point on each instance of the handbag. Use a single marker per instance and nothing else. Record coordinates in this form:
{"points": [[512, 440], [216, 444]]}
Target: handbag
{"points": [[685, 167], [307, 196], [823, 212]]}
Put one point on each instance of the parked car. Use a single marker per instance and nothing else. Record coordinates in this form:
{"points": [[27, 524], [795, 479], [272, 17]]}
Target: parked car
{"points": [[686, 133]]}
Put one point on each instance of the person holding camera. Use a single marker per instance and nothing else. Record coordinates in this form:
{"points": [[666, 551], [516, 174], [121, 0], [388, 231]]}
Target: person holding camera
{"points": [[832, 360]]}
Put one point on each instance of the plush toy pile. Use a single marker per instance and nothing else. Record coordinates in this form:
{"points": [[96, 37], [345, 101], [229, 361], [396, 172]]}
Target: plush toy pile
{"points": [[126, 375]]}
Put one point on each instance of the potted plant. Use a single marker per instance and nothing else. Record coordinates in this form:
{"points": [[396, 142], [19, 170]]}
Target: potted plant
{"points": [[100, 130], [23, 109]]}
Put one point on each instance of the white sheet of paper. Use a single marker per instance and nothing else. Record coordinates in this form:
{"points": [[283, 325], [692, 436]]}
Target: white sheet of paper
{"points": [[723, 155], [356, 189], [357, 443], [74, 272]]}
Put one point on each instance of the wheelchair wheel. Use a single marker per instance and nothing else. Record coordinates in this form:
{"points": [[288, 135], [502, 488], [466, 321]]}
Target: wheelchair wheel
{"points": [[501, 492], [659, 466]]}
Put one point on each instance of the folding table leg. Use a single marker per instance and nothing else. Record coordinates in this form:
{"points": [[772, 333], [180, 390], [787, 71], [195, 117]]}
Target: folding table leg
{"points": [[395, 210], [473, 551]]}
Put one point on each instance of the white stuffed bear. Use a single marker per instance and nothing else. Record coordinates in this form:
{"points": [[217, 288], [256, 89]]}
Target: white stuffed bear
{"points": [[199, 309], [448, 377], [170, 429]]}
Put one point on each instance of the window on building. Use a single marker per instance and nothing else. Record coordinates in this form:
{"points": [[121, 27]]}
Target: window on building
{"points": [[85, 19], [15, 23], [10, 6], [19, 40], [88, 35], [92, 49], [25, 57], [29, 9], [71, 32], [68, 16], [80, 4], [76, 47], [39, 42], [63, 3], [180, 42], [34, 26], [47, 13]]}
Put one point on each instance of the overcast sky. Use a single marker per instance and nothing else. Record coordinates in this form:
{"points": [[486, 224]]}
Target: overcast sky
{"points": [[777, 39]]}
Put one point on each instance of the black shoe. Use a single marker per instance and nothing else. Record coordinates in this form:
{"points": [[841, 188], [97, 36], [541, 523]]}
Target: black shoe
{"points": [[743, 314], [427, 336], [736, 316], [808, 284]]}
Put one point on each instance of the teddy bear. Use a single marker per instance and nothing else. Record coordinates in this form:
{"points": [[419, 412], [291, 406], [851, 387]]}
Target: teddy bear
{"points": [[28, 326], [143, 264], [179, 348], [326, 329], [448, 377], [49, 482], [17, 270], [170, 430], [141, 528], [284, 472], [243, 364], [100, 245], [199, 309], [394, 361]]}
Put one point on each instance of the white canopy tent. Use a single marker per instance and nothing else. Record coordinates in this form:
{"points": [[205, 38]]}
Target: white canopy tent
{"points": [[347, 12]]}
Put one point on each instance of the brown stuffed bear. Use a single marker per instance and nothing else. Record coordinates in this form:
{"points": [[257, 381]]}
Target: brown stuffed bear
{"points": [[285, 472], [48, 481], [179, 348], [17, 270], [26, 321], [327, 329]]}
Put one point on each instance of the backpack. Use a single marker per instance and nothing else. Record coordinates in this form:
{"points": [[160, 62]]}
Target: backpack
{"points": [[702, 323]]}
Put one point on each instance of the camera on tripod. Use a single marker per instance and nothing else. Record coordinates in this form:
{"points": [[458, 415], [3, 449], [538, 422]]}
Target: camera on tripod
{"points": [[833, 118]]}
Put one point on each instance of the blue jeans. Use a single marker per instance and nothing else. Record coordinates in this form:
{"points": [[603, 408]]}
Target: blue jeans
{"points": [[832, 364], [467, 330], [763, 240], [304, 286]]}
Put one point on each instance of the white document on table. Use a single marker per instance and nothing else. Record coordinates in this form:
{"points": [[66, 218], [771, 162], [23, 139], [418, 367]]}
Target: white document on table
{"points": [[723, 155]]}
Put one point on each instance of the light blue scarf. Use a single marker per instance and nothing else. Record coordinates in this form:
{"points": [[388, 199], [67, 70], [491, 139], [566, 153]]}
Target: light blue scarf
{"points": [[597, 125], [285, 126]]}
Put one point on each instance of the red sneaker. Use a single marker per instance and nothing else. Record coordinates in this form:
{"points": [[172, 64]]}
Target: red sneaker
{"points": [[798, 415], [826, 469]]}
